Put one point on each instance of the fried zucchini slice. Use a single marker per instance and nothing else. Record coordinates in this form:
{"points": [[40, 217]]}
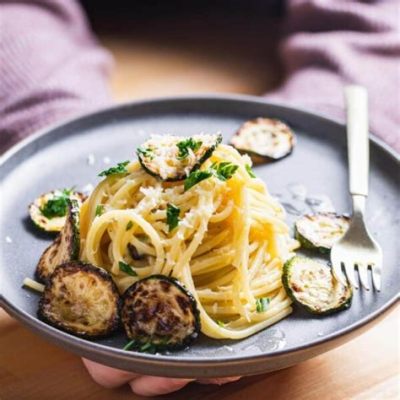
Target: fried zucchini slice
{"points": [[81, 299], [321, 231], [49, 211], [173, 158], [313, 285], [264, 140], [65, 247], [158, 311]]}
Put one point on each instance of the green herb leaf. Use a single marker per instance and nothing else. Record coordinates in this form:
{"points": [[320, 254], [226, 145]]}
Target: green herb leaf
{"points": [[195, 177], [185, 145], [119, 169], [147, 348], [144, 348], [124, 267], [250, 171], [68, 192], [172, 216], [57, 206], [129, 225], [224, 170], [147, 153], [220, 323], [262, 304], [99, 210], [129, 345]]}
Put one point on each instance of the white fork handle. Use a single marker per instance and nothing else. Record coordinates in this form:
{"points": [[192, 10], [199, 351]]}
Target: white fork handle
{"points": [[357, 139]]}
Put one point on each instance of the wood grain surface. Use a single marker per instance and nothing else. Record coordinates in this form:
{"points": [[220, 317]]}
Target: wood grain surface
{"points": [[365, 368]]}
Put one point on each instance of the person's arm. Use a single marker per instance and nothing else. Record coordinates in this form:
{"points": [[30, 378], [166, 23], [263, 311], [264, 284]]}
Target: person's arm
{"points": [[51, 66], [334, 42]]}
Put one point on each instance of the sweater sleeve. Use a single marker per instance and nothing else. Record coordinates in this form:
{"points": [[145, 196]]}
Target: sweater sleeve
{"points": [[51, 66], [331, 43]]}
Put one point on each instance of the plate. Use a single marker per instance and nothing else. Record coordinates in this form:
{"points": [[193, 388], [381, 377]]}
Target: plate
{"points": [[314, 176]]}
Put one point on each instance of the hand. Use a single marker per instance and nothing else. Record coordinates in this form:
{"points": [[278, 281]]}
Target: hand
{"points": [[142, 385]]}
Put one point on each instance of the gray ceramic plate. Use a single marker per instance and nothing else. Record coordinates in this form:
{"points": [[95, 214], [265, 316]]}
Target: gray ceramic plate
{"points": [[313, 176]]}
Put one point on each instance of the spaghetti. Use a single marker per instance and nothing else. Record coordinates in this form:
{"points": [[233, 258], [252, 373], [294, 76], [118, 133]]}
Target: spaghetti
{"points": [[228, 248]]}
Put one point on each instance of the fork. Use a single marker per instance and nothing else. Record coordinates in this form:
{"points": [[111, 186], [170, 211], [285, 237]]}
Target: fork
{"points": [[357, 248]]}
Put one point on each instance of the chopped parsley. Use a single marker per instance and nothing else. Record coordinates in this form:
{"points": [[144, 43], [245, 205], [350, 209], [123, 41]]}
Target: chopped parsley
{"points": [[148, 348], [147, 152], [185, 145], [129, 345], [124, 267], [250, 171], [220, 323], [195, 177], [57, 206], [119, 169], [129, 225], [143, 348], [262, 304], [223, 171], [99, 210], [172, 216]]}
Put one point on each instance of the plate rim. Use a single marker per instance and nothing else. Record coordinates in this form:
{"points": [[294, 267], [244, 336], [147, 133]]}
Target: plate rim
{"points": [[157, 360]]}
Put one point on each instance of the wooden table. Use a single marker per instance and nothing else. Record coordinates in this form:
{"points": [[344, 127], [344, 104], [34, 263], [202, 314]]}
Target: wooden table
{"points": [[366, 368]]}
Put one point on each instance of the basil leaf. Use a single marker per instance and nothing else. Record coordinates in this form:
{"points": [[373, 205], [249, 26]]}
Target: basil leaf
{"points": [[129, 225], [119, 169], [187, 144], [195, 177], [99, 210], [262, 304], [172, 216], [124, 267], [250, 171]]}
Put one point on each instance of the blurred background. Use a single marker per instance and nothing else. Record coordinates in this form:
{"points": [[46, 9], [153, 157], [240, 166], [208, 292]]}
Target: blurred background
{"points": [[178, 47]]}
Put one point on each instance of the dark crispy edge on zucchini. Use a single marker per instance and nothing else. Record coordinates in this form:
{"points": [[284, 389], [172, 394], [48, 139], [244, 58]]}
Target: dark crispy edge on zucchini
{"points": [[81, 196], [196, 313], [196, 166], [258, 158], [286, 284], [308, 244], [73, 266], [71, 222]]}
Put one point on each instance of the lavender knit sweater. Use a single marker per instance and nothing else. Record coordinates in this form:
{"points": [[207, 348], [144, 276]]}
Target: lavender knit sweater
{"points": [[51, 67]]}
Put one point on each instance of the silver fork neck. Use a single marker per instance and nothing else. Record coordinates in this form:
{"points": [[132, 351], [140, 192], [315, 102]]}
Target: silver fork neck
{"points": [[359, 202]]}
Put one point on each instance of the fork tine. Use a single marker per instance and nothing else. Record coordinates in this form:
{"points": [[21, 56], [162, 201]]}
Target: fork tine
{"points": [[349, 268], [363, 273], [337, 271], [376, 277]]}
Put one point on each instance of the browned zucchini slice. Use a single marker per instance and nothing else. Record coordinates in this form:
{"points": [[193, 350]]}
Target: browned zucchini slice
{"points": [[159, 312], [81, 299], [64, 248], [173, 158], [49, 211], [264, 139], [321, 231], [313, 285]]}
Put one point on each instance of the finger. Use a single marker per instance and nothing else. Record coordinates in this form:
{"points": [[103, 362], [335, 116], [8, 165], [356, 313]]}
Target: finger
{"points": [[153, 385], [107, 376], [218, 381]]}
